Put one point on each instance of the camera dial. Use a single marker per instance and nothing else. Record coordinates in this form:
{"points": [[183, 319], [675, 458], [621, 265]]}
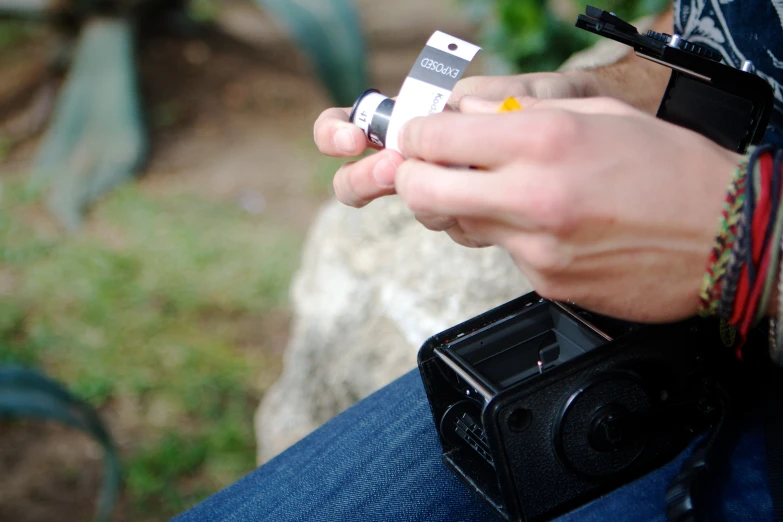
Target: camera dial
{"points": [[684, 45], [597, 430], [612, 428]]}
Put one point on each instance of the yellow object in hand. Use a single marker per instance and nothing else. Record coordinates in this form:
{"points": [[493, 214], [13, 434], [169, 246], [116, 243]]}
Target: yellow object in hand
{"points": [[510, 105]]}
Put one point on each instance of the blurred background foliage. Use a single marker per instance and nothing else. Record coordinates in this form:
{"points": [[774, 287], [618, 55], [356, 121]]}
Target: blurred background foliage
{"points": [[156, 327], [97, 138], [535, 36], [162, 313]]}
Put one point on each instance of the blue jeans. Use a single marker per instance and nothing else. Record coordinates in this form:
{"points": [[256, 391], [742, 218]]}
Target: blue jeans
{"points": [[380, 461]]}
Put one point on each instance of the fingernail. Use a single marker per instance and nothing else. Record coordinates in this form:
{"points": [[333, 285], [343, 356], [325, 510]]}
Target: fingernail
{"points": [[344, 141], [404, 133], [383, 172]]}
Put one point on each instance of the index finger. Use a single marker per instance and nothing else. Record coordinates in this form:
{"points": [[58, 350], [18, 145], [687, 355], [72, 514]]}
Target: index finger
{"points": [[481, 140], [597, 105]]}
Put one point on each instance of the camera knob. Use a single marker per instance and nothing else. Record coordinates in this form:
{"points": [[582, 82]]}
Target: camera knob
{"points": [[678, 42], [661, 37], [700, 50], [611, 429], [598, 430]]}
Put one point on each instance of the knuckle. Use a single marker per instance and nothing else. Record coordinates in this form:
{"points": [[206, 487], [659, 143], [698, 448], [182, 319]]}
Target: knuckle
{"points": [[435, 223], [345, 190], [553, 206], [558, 131], [337, 186], [320, 141], [468, 86], [613, 105], [550, 288], [418, 197], [321, 132], [546, 255], [429, 137]]}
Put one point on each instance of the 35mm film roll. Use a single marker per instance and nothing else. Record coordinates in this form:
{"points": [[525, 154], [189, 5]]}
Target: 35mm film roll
{"points": [[425, 91], [372, 113]]}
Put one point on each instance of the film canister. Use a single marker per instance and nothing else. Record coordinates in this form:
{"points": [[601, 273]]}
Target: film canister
{"points": [[372, 113]]}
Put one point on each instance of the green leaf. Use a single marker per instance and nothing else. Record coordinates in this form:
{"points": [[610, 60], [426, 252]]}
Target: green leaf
{"points": [[330, 33], [534, 36], [25, 393], [97, 140], [25, 8]]}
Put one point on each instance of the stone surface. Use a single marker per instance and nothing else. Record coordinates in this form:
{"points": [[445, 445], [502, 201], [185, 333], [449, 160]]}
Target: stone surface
{"points": [[373, 286]]}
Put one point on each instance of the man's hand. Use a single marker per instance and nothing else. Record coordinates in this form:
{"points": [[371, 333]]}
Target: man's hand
{"points": [[633, 80], [358, 183], [597, 202], [638, 82]]}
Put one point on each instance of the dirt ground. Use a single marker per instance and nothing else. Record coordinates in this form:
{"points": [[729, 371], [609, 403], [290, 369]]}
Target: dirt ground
{"points": [[231, 120]]}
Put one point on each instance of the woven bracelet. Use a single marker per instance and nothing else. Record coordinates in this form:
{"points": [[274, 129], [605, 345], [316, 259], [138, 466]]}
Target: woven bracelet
{"points": [[724, 258]]}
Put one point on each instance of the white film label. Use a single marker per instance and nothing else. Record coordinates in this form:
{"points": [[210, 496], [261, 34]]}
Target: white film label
{"points": [[428, 86]]}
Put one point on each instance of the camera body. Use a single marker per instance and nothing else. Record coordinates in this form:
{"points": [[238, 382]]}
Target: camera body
{"points": [[730, 106], [542, 407]]}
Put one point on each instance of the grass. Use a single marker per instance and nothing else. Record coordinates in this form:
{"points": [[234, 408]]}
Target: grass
{"points": [[13, 32], [153, 310]]}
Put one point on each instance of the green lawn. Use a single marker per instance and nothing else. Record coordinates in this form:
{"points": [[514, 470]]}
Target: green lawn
{"points": [[158, 308]]}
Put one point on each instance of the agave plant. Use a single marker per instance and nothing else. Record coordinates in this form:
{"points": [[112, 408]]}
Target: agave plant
{"points": [[25, 393], [97, 138]]}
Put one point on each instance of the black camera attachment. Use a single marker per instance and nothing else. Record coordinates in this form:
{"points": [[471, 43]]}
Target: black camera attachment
{"points": [[730, 106]]}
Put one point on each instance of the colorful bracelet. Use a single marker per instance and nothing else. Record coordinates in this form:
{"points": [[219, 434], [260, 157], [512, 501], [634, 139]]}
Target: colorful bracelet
{"points": [[776, 332], [726, 239], [730, 281]]}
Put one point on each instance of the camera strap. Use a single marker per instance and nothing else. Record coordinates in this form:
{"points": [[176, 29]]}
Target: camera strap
{"points": [[686, 493], [761, 383]]}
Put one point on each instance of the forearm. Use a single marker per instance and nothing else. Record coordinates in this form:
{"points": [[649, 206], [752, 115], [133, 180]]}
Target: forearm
{"points": [[634, 80]]}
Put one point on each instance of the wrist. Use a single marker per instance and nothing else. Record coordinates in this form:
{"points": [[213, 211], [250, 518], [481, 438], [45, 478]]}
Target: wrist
{"points": [[632, 80], [587, 83]]}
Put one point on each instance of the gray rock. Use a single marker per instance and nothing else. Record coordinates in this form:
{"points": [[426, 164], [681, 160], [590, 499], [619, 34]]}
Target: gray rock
{"points": [[373, 286]]}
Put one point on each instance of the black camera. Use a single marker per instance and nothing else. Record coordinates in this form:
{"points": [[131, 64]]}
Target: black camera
{"points": [[730, 106], [542, 407]]}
